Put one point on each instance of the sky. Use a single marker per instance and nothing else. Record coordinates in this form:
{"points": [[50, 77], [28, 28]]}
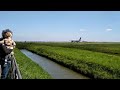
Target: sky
{"points": [[101, 26]]}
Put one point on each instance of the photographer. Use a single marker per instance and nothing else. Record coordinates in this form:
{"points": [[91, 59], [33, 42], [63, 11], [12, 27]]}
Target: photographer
{"points": [[4, 68]]}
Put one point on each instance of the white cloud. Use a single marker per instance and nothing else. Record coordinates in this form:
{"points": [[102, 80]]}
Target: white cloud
{"points": [[109, 29], [82, 30]]}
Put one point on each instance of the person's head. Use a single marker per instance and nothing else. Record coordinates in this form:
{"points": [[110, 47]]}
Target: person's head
{"points": [[6, 33]]}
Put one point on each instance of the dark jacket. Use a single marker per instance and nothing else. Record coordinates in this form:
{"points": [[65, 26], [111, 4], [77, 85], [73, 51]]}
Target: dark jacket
{"points": [[2, 53]]}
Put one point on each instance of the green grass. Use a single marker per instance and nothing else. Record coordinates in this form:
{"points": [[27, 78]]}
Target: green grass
{"points": [[94, 64], [28, 68], [109, 48]]}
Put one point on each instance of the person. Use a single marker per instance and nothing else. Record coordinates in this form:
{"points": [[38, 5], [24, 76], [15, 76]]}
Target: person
{"points": [[7, 46]]}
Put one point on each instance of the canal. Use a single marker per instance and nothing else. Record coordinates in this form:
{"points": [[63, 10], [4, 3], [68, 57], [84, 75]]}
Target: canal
{"points": [[55, 70]]}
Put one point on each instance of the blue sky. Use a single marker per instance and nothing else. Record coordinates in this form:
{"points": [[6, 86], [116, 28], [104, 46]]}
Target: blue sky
{"points": [[62, 25]]}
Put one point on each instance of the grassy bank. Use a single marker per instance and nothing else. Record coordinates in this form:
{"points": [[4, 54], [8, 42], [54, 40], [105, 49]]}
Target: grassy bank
{"points": [[94, 64], [28, 68]]}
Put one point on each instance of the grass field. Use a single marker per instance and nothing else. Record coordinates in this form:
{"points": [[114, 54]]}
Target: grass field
{"points": [[28, 68], [96, 60], [104, 47]]}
